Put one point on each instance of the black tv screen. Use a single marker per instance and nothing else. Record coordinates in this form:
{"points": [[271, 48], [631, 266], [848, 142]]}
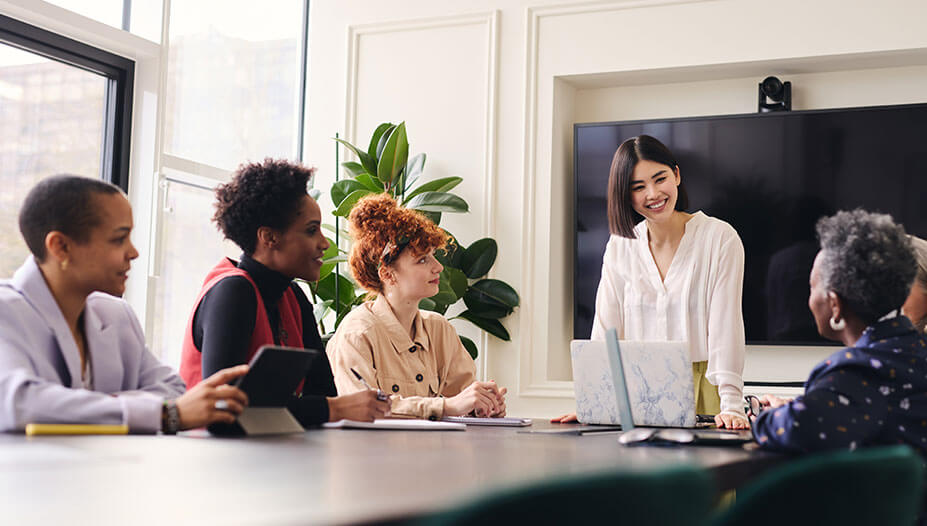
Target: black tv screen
{"points": [[771, 176]]}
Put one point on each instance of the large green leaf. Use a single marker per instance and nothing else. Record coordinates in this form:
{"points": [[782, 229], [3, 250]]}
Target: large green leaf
{"points": [[394, 156], [414, 169], [343, 188], [375, 139], [353, 169], [491, 298], [469, 346], [322, 309], [434, 217], [344, 208], [438, 202], [368, 162], [382, 142], [493, 327], [370, 182], [326, 290], [449, 256], [479, 257], [446, 294], [331, 228], [438, 185], [427, 304], [457, 280], [330, 257]]}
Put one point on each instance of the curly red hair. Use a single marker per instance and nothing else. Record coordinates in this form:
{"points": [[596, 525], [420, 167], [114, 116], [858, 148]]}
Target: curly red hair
{"points": [[380, 229]]}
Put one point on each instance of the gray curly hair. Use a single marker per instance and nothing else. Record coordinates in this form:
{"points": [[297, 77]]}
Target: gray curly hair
{"points": [[867, 260]]}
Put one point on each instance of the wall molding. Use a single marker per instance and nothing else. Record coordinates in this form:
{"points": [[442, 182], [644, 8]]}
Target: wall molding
{"points": [[532, 359], [490, 20]]}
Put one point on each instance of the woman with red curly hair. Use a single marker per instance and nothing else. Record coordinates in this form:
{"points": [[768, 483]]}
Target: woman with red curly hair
{"points": [[414, 355]]}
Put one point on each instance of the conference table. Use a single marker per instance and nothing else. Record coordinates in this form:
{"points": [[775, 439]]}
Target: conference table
{"points": [[331, 476]]}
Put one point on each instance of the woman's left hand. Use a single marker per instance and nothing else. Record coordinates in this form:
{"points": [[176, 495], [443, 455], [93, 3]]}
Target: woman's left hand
{"points": [[729, 421]]}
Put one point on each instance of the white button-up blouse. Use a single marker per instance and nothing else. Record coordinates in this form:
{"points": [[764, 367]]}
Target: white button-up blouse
{"points": [[699, 301]]}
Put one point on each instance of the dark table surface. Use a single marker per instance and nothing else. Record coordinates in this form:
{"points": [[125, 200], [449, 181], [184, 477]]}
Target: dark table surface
{"points": [[321, 476]]}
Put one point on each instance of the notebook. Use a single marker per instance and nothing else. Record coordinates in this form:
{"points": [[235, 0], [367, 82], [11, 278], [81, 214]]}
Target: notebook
{"points": [[657, 376], [506, 421]]}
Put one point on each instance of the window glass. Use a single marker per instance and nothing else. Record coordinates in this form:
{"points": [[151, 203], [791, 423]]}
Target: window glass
{"points": [[233, 79], [51, 121], [190, 246], [144, 15]]}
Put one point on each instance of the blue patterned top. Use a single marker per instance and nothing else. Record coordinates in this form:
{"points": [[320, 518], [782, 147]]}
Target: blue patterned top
{"points": [[872, 393]]}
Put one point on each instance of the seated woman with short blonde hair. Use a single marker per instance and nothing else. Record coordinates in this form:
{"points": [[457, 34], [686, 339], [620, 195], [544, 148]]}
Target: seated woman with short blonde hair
{"points": [[413, 355]]}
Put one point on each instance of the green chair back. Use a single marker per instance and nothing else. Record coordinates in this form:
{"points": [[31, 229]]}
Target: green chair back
{"points": [[677, 496], [871, 486]]}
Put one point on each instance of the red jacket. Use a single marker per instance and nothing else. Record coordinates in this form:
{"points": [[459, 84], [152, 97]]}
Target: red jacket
{"points": [[191, 363]]}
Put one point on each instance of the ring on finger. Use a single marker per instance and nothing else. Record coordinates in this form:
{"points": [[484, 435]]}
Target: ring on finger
{"points": [[221, 405]]}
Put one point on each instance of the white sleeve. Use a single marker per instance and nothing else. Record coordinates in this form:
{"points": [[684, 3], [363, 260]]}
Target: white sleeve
{"points": [[608, 298], [726, 325]]}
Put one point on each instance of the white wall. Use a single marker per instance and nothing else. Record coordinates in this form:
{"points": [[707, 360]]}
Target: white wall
{"points": [[490, 90]]}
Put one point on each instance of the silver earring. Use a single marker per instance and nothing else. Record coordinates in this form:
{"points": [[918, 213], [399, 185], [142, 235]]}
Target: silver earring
{"points": [[837, 325]]}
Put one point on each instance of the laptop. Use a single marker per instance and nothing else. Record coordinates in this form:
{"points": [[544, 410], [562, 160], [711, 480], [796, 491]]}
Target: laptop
{"points": [[640, 384], [657, 376]]}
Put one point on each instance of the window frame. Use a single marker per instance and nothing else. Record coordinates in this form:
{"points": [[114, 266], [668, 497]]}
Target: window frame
{"points": [[119, 73]]}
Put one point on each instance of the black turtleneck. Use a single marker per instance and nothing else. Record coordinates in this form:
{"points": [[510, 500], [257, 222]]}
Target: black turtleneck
{"points": [[224, 321]]}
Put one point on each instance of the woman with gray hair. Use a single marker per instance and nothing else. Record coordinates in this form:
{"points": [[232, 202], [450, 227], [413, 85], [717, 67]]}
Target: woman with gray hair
{"points": [[915, 307], [873, 391]]}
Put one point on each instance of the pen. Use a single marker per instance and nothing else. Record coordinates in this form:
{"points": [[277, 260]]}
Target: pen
{"points": [[380, 394]]}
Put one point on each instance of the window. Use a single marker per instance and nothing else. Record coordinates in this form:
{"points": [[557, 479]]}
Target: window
{"points": [[142, 17], [235, 79], [65, 107]]}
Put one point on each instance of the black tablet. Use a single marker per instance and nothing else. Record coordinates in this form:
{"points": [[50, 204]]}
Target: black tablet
{"points": [[274, 374]]}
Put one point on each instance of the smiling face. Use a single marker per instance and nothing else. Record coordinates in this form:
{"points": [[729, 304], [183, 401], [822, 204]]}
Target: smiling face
{"points": [[298, 250], [654, 190], [103, 262], [414, 276]]}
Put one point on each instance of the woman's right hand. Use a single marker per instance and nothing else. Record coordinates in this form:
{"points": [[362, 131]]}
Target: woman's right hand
{"points": [[363, 406], [480, 398], [197, 407], [568, 418], [773, 401]]}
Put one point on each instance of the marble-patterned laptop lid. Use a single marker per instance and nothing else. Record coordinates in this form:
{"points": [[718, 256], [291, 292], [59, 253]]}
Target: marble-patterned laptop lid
{"points": [[658, 377]]}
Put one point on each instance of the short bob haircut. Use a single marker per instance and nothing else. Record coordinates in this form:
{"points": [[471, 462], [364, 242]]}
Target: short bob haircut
{"points": [[260, 194], [621, 215], [867, 260], [381, 230], [62, 203]]}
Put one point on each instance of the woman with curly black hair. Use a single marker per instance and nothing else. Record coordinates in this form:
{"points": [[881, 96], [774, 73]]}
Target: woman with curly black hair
{"points": [[873, 391], [243, 305]]}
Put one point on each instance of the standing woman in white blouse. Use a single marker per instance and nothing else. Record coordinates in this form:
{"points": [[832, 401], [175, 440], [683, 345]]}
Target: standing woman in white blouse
{"points": [[673, 276]]}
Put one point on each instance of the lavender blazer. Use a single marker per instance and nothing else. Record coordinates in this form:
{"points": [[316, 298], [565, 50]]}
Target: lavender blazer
{"points": [[40, 377]]}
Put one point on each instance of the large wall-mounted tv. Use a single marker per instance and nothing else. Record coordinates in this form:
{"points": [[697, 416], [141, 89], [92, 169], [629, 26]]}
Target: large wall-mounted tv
{"points": [[771, 176]]}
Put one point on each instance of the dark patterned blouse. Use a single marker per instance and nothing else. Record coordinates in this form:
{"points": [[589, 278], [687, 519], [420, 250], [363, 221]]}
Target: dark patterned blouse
{"points": [[872, 393]]}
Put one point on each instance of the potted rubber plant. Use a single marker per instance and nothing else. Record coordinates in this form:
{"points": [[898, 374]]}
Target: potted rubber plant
{"points": [[385, 167]]}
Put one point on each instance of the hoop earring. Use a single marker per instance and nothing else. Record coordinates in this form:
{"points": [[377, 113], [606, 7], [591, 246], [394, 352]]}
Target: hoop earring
{"points": [[837, 325]]}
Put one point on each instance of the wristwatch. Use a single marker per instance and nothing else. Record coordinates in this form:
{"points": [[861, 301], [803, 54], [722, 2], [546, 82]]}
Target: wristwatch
{"points": [[170, 418]]}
